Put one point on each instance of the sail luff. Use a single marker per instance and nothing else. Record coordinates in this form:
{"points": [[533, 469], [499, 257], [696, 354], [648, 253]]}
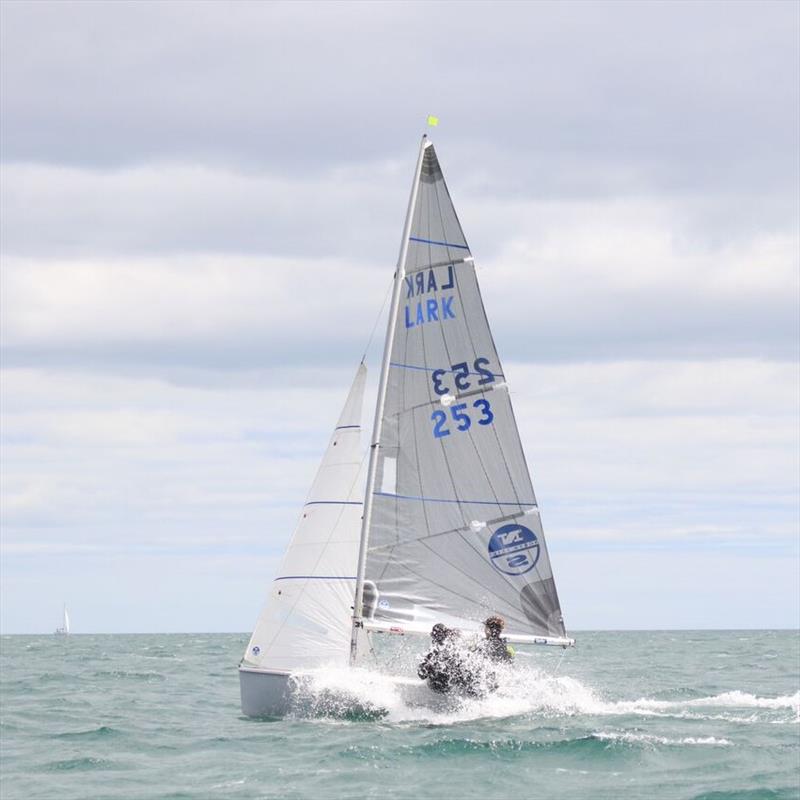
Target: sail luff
{"points": [[381, 400]]}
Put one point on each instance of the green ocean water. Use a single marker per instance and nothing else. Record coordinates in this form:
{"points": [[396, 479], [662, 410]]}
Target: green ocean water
{"points": [[712, 715]]}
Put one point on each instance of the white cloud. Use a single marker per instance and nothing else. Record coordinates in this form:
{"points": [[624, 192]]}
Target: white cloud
{"points": [[203, 311], [579, 281]]}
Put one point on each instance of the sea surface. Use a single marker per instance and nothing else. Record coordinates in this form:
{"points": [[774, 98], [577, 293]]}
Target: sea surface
{"points": [[685, 714]]}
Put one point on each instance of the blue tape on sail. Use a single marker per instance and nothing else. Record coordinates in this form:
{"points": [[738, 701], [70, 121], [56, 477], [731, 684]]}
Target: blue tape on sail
{"points": [[431, 241], [316, 578], [471, 502], [342, 427], [334, 503]]}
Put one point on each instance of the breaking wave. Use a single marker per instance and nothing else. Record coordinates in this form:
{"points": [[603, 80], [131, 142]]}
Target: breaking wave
{"points": [[650, 739], [363, 694]]}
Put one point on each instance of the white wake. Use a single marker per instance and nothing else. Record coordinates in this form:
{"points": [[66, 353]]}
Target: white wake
{"points": [[522, 690]]}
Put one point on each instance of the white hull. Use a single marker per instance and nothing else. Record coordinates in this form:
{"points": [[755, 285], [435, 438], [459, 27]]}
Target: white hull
{"points": [[264, 694], [274, 694]]}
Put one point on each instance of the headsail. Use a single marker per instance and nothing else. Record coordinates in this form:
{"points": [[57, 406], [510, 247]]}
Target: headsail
{"points": [[306, 621], [454, 531]]}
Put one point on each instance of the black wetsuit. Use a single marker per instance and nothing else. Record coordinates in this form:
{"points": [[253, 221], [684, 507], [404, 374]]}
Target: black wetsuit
{"points": [[438, 668], [447, 669]]}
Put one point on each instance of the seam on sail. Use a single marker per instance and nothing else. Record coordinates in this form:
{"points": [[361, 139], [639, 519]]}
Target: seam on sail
{"points": [[446, 500], [443, 244], [342, 427]]}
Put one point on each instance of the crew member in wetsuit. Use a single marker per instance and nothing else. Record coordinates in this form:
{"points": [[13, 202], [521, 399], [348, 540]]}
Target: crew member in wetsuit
{"points": [[437, 666], [493, 647]]}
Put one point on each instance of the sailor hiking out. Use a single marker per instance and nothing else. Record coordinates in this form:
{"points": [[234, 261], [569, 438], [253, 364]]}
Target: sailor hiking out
{"points": [[450, 666], [441, 666], [493, 646]]}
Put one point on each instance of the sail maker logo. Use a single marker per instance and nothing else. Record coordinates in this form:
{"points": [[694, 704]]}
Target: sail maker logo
{"points": [[514, 549]]}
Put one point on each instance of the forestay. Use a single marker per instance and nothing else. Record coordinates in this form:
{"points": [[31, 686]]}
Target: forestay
{"points": [[306, 620], [454, 532]]}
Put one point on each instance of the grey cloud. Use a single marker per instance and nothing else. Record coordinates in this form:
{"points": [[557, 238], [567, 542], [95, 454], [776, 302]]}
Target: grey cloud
{"points": [[172, 208], [354, 214], [595, 325], [661, 93]]}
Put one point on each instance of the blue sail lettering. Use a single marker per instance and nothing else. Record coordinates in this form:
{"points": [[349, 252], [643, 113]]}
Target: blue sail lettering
{"points": [[450, 282], [447, 308], [431, 310]]}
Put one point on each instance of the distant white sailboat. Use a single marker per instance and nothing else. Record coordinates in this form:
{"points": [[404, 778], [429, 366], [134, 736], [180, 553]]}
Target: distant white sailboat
{"points": [[447, 528], [64, 629]]}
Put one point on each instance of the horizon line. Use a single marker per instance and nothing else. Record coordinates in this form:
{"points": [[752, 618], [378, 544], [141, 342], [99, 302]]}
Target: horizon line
{"points": [[572, 630]]}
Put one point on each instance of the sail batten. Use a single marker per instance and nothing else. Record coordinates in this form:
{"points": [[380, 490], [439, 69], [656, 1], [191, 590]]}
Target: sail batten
{"points": [[447, 449]]}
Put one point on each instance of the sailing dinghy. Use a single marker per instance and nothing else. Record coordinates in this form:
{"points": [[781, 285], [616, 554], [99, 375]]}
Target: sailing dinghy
{"points": [[448, 528]]}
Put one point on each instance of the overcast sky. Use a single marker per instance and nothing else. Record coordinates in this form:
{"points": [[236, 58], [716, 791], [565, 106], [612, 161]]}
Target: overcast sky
{"points": [[201, 209]]}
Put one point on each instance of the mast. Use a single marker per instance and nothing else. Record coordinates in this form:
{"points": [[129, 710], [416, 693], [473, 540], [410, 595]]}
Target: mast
{"points": [[399, 275]]}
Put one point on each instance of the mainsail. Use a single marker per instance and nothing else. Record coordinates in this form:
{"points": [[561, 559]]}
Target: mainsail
{"points": [[453, 533], [306, 620]]}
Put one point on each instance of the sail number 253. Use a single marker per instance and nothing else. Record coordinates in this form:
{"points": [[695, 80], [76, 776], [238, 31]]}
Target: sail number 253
{"points": [[459, 414]]}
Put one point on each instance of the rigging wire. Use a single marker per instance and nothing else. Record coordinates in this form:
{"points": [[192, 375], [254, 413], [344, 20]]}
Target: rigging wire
{"points": [[377, 319], [558, 665]]}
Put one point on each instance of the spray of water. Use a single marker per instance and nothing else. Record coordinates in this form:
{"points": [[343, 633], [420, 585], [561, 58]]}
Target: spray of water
{"points": [[506, 691]]}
